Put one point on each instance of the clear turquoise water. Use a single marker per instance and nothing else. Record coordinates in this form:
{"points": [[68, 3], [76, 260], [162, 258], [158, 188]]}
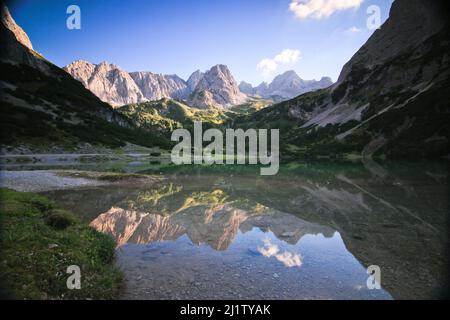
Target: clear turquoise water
{"points": [[308, 233]]}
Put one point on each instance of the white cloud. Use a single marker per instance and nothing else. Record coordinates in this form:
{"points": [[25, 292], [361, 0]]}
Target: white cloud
{"points": [[321, 8], [288, 56], [267, 67], [354, 29]]}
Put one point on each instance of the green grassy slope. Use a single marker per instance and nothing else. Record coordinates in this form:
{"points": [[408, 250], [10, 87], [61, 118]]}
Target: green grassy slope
{"points": [[166, 115], [39, 241], [40, 111]]}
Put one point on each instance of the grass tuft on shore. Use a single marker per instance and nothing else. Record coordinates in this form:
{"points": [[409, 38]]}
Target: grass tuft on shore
{"points": [[39, 241]]}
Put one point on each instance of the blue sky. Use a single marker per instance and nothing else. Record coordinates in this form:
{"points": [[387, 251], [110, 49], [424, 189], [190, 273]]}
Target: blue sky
{"points": [[181, 36]]}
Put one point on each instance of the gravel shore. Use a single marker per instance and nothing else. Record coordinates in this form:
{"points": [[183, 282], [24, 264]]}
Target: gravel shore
{"points": [[36, 181]]}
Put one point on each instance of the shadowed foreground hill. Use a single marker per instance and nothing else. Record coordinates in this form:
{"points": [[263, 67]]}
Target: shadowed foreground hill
{"points": [[42, 106], [391, 99]]}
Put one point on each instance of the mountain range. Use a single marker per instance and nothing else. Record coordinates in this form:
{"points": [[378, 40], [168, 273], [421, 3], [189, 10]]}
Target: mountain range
{"points": [[213, 88], [285, 86], [117, 87], [391, 99], [213, 215]]}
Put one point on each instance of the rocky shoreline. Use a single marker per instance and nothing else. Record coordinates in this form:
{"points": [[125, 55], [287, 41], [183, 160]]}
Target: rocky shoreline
{"points": [[47, 180]]}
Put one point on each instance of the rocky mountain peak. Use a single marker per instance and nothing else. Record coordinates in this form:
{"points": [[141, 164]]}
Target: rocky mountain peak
{"points": [[285, 86], [81, 70], [288, 78], [290, 74], [408, 25], [157, 86], [220, 69], [107, 81], [104, 66], [326, 79], [16, 45], [247, 88], [217, 87], [194, 79], [18, 32], [80, 62]]}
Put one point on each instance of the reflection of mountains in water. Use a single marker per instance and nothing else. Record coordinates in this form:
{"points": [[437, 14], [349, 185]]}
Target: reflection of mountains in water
{"points": [[205, 217], [394, 216]]}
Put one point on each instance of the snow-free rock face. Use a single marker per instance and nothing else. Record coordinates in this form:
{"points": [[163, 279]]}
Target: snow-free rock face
{"points": [[399, 62], [247, 88], [213, 88], [81, 70], [16, 47], [263, 90], [18, 32], [111, 84], [217, 87], [285, 86], [194, 79], [409, 24], [117, 87], [107, 81], [157, 86], [289, 85]]}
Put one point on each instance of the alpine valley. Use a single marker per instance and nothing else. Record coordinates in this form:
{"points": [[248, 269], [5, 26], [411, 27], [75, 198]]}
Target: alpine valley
{"points": [[88, 188], [391, 98]]}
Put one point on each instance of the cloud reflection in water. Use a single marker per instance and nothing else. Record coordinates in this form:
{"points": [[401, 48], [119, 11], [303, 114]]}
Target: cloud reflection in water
{"points": [[289, 259]]}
